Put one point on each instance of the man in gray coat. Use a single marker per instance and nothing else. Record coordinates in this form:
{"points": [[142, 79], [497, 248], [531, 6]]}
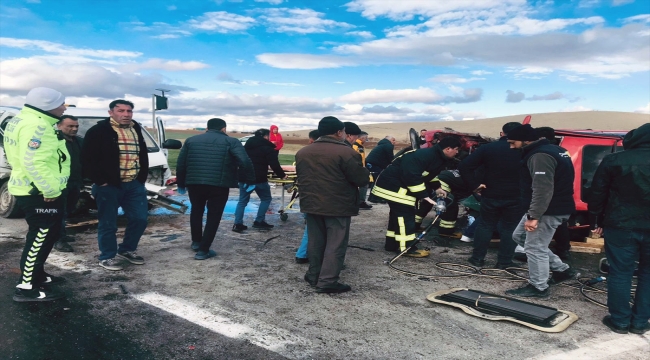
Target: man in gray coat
{"points": [[329, 175], [207, 167]]}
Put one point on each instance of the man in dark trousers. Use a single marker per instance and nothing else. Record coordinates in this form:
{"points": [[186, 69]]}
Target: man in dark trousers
{"points": [[262, 154], [39, 171], [546, 183], [499, 190], [69, 125], [618, 208], [116, 160], [403, 183], [378, 159], [207, 168], [330, 174]]}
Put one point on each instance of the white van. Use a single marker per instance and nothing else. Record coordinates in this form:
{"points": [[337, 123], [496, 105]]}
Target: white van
{"points": [[159, 171]]}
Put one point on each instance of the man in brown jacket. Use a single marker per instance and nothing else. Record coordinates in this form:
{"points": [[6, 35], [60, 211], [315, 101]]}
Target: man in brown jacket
{"points": [[329, 174]]}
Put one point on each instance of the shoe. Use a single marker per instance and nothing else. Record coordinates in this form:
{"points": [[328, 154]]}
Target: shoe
{"points": [[417, 253], [302, 260], [454, 235], [640, 330], [501, 266], [131, 257], [564, 254], [365, 206], [195, 245], [559, 276], [69, 238], [51, 279], [239, 227], [337, 288], [607, 321], [111, 264], [476, 262], [202, 255], [311, 283], [529, 291], [262, 225], [37, 295], [520, 257], [63, 246], [466, 239]]}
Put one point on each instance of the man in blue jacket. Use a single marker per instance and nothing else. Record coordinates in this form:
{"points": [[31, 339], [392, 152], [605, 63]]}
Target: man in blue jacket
{"points": [[619, 198], [207, 167]]}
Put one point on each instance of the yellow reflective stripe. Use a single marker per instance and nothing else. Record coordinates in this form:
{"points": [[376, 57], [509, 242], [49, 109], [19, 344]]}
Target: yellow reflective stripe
{"points": [[402, 237], [445, 186], [425, 173], [447, 224], [417, 188], [418, 218], [407, 152], [390, 233], [393, 196]]}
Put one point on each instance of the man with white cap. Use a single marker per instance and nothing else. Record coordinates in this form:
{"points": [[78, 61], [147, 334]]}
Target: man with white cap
{"points": [[40, 167]]}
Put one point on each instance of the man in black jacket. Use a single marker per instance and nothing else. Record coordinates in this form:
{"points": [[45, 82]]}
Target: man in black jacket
{"points": [[499, 191], [619, 198], [403, 183], [207, 165], [378, 159], [262, 154], [546, 179], [116, 160]]}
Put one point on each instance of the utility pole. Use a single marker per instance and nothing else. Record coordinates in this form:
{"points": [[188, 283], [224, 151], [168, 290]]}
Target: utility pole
{"points": [[154, 107]]}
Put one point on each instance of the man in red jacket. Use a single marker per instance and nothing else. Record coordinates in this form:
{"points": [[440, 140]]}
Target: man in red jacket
{"points": [[276, 138]]}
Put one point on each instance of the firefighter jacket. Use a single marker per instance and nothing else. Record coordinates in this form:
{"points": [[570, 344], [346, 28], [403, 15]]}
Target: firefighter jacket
{"points": [[451, 182], [358, 147], [404, 180], [40, 162]]}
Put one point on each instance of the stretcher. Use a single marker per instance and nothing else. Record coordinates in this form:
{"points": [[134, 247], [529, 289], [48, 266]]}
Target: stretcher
{"points": [[289, 185]]}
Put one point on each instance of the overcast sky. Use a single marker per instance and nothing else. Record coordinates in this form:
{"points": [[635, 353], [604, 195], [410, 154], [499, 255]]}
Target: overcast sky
{"points": [[291, 62]]}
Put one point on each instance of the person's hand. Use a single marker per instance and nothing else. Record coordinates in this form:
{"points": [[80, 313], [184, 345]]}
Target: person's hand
{"points": [[249, 188], [598, 231], [285, 177], [430, 201], [480, 188], [531, 225], [49, 199], [441, 193], [181, 190]]}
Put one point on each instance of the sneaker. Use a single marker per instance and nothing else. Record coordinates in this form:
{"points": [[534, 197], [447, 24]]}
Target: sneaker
{"points": [[640, 330], [337, 288], [63, 246], [476, 262], [239, 227], [466, 239], [529, 291], [302, 260], [504, 266], [131, 257], [564, 254], [520, 257], [111, 264], [365, 206], [202, 255], [559, 276], [195, 245], [262, 225], [68, 238], [51, 279], [607, 321], [311, 283], [37, 295]]}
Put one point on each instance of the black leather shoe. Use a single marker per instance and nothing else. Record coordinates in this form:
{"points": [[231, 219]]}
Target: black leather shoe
{"points": [[195, 245], [564, 254], [239, 227], [334, 289], [302, 260], [560, 276], [520, 257], [262, 225], [607, 321], [529, 291], [63, 246], [312, 283], [640, 330], [476, 262]]}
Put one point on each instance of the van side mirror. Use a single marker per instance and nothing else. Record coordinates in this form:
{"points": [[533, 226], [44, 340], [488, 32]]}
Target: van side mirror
{"points": [[172, 144]]}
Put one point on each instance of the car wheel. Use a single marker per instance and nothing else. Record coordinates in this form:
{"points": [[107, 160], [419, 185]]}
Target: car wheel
{"points": [[8, 208]]}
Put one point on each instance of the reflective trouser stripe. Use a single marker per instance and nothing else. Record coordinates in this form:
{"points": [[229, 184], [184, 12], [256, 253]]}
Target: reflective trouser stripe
{"points": [[418, 219], [390, 233], [447, 224], [398, 197], [402, 237], [28, 270]]}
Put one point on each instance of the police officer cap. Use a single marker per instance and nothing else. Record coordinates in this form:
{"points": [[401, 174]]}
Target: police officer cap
{"points": [[329, 125], [352, 128], [523, 133]]}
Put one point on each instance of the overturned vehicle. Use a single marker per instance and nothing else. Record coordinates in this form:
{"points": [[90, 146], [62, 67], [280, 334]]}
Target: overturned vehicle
{"points": [[159, 172]]}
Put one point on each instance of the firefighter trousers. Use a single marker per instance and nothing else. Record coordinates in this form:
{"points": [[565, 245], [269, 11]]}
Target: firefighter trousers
{"points": [[401, 227], [44, 222], [447, 221]]}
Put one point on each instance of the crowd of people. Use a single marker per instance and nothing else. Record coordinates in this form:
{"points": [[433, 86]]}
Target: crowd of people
{"points": [[524, 183]]}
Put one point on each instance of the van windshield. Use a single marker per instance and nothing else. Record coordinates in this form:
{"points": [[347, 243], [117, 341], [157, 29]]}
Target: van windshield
{"points": [[86, 122]]}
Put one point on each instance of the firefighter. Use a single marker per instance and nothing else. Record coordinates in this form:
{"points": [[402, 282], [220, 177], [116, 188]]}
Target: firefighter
{"points": [[403, 183], [40, 167], [447, 182], [358, 147]]}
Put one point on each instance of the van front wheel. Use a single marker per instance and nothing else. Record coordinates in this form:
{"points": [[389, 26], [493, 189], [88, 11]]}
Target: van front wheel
{"points": [[8, 208]]}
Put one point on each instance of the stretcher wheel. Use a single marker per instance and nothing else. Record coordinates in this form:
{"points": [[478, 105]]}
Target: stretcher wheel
{"points": [[284, 217]]}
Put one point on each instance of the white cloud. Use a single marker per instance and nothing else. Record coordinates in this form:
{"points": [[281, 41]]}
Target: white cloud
{"points": [[643, 109], [227, 78], [638, 18], [304, 61], [167, 65], [514, 97], [362, 34], [407, 9], [272, 2], [452, 78], [171, 7], [221, 22], [420, 95], [621, 2], [57, 48], [167, 36], [481, 72], [588, 3], [301, 21]]}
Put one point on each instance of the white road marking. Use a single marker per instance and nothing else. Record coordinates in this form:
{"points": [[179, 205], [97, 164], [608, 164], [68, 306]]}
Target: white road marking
{"points": [[608, 346], [220, 321]]}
